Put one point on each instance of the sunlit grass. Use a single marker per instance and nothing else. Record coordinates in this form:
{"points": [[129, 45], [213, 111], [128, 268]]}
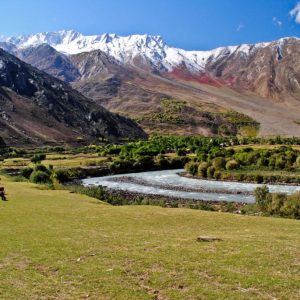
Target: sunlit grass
{"points": [[60, 245]]}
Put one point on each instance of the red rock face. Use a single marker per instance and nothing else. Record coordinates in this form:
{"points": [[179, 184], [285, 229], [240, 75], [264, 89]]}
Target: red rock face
{"points": [[200, 78], [272, 71]]}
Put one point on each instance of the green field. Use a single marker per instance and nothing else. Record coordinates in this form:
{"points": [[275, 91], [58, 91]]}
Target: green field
{"points": [[57, 161], [60, 245]]}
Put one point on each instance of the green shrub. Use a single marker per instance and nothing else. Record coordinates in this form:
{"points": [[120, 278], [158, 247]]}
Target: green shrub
{"points": [[26, 172], [217, 175], [162, 162], [181, 152], [40, 177], [258, 178], [97, 192], [278, 200], [262, 198], [61, 175], [42, 168], [291, 207], [191, 167], [210, 172], [202, 169], [37, 158], [219, 163], [298, 161], [232, 165]]}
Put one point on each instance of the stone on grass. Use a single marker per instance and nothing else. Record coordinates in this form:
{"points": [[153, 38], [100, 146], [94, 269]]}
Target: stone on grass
{"points": [[208, 239]]}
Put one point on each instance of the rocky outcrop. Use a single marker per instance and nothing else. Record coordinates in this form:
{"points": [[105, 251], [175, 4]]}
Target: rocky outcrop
{"points": [[38, 108]]}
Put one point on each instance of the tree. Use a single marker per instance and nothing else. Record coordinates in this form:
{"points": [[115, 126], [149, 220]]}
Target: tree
{"points": [[40, 177], [202, 169], [37, 158], [262, 198], [219, 163], [210, 172], [232, 165], [191, 167]]}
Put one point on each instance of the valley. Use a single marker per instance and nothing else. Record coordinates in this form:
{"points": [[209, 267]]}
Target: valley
{"points": [[131, 169], [133, 75]]}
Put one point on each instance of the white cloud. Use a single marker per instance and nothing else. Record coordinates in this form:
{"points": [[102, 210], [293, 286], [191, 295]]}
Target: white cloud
{"points": [[240, 27], [295, 13], [276, 22]]}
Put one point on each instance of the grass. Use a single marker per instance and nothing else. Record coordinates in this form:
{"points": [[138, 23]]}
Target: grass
{"points": [[58, 161], [179, 114], [60, 245], [264, 146], [249, 131], [266, 172]]}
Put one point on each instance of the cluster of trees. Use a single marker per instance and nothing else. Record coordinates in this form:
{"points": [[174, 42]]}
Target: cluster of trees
{"points": [[146, 163], [218, 163], [277, 203], [41, 174]]}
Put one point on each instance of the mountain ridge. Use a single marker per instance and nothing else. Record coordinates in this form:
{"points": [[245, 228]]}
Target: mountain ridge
{"points": [[261, 81], [37, 109], [125, 48]]}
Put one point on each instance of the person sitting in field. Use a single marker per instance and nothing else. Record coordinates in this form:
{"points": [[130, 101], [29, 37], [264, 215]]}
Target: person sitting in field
{"points": [[2, 193]]}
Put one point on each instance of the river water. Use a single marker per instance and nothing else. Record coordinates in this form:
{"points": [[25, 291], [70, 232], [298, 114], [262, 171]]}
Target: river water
{"points": [[169, 183]]}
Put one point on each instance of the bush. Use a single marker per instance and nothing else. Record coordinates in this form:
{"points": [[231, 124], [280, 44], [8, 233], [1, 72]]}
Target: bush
{"points": [[210, 172], [26, 172], [219, 163], [278, 200], [97, 192], [232, 165], [262, 198], [42, 168], [61, 175], [162, 162], [143, 163], [291, 207], [36, 158], [181, 152], [258, 178], [262, 162], [217, 175], [191, 167], [202, 169], [119, 166], [40, 177]]}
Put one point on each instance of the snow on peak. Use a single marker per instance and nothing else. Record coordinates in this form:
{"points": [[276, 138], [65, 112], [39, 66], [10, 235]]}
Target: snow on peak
{"points": [[152, 49]]}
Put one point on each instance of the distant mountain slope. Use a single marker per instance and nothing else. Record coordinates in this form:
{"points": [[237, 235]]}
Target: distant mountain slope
{"points": [[134, 74], [151, 50], [36, 108]]}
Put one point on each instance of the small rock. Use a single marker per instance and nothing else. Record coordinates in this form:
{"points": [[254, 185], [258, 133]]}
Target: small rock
{"points": [[208, 239]]}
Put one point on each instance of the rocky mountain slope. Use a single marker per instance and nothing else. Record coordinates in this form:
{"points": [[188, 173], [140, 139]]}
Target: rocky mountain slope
{"points": [[37, 108], [135, 74]]}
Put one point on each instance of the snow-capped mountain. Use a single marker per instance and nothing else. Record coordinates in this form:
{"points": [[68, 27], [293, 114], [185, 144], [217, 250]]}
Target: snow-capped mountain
{"points": [[131, 75], [152, 49]]}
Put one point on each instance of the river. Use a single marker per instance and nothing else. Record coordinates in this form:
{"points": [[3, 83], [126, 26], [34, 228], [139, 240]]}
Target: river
{"points": [[170, 183]]}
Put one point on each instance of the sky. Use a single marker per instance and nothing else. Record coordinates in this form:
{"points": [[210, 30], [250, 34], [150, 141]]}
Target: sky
{"points": [[187, 24]]}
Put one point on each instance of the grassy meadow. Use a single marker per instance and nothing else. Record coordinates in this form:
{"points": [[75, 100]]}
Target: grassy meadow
{"points": [[60, 245]]}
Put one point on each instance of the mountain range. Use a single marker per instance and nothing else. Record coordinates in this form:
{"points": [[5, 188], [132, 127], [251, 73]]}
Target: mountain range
{"points": [[244, 89], [38, 109]]}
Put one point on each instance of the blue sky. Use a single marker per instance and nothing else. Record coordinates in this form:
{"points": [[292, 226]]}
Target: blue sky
{"points": [[189, 24]]}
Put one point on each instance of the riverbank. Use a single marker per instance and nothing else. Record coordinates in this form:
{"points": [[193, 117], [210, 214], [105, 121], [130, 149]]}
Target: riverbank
{"points": [[60, 245], [233, 179], [128, 179]]}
